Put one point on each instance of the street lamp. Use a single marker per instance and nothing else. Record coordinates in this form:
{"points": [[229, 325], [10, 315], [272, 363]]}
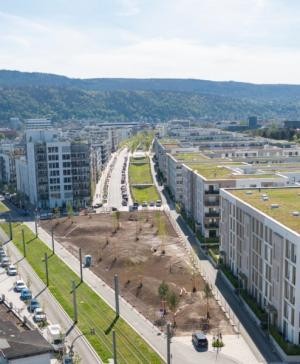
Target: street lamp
{"points": [[71, 350]]}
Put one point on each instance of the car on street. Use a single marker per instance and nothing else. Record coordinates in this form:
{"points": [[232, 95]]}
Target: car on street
{"points": [[39, 315], [144, 204], [136, 204], [2, 254], [33, 304], [124, 203], [5, 262], [26, 294], [12, 270], [151, 203], [114, 209], [19, 285], [199, 340], [158, 203]]}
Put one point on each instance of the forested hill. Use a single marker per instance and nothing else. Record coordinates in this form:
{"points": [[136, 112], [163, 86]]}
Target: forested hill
{"points": [[37, 94]]}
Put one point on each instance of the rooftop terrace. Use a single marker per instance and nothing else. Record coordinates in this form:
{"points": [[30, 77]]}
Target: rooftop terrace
{"points": [[288, 200]]}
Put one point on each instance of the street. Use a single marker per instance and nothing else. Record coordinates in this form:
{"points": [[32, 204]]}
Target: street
{"points": [[54, 311]]}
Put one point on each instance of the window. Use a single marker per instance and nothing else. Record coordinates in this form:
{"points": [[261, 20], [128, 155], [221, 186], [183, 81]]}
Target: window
{"points": [[67, 172], [67, 180], [66, 156], [67, 187], [54, 173], [52, 149], [54, 180], [66, 164], [54, 165], [53, 157]]}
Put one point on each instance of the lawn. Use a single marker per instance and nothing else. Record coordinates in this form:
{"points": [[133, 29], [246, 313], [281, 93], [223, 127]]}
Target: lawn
{"points": [[287, 198], [93, 312], [140, 194], [3, 207], [140, 173]]}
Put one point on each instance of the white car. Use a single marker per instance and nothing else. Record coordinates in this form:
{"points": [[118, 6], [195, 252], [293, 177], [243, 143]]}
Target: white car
{"points": [[39, 315], [19, 285], [12, 270]]}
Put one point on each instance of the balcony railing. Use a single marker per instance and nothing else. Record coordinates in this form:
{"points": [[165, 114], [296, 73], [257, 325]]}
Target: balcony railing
{"points": [[211, 225], [211, 192], [212, 203], [212, 214]]}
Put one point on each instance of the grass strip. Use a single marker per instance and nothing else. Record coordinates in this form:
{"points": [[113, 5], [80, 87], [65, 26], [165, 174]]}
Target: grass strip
{"points": [[92, 310]]}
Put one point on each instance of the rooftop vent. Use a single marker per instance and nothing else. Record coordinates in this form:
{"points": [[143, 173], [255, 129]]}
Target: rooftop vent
{"points": [[295, 213], [274, 206]]}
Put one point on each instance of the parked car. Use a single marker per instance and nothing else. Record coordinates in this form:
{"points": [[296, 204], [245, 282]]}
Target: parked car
{"points": [[12, 270], [136, 204], [2, 254], [5, 262], [39, 315], [19, 285], [114, 209], [199, 340], [144, 204], [151, 203], [124, 203], [34, 303], [26, 294], [158, 203]]}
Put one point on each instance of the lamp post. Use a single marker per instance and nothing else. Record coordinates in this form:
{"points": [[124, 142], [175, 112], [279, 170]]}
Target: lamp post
{"points": [[71, 350]]}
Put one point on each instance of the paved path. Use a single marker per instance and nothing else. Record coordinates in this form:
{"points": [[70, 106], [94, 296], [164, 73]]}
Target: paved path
{"points": [[257, 342], [182, 351], [54, 311]]}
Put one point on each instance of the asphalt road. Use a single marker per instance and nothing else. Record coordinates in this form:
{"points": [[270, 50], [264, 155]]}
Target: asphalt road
{"points": [[54, 311]]}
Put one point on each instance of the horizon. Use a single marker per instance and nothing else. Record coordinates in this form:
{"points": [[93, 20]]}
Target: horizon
{"points": [[150, 78], [215, 40]]}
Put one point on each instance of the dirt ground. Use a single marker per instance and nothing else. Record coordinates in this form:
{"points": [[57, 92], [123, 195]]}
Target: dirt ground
{"points": [[143, 250]]}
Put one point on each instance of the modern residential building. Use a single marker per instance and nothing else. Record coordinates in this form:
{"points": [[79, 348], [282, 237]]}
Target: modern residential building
{"points": [[31, 124], [56, 170], [260, 243]]}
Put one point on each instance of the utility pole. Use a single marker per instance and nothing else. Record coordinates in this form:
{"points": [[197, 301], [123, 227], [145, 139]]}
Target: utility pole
{"points": [[52, 237], [74, 302], [36, 225], [24, 245], [117, 295], [114, 347], [80, 262], [168, 343], [46, 268], [10, 231]]}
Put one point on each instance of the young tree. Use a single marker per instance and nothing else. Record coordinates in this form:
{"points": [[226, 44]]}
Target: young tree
{"points": [[70, 210], [173, 301], [207, 295], [163, 291], [117, 217]]}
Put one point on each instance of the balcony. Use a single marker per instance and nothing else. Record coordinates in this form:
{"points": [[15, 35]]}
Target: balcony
{"points": [[211, 225], [212, 203], [211, 192], [212, 214]]}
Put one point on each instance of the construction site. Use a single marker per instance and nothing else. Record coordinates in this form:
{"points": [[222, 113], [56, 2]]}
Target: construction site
{"points": [[156, 274]]}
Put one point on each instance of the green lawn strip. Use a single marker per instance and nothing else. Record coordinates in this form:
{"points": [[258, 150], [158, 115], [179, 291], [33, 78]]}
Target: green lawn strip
{"points": [[3, 207], [92, 310], [140, 173], [141, 194]]}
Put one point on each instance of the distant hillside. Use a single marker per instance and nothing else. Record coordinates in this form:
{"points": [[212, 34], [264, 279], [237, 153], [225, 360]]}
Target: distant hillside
{"points": [[37, 94]]}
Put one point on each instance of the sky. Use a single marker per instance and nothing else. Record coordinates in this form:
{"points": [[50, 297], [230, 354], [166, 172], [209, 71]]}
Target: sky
{"points": [[242, 40]]}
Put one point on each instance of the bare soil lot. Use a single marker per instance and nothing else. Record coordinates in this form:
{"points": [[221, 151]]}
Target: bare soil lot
{"points": [[144, 250]]}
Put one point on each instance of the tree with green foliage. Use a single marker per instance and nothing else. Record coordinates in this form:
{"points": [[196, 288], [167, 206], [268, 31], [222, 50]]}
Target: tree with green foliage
{"points": [[163, 291]]}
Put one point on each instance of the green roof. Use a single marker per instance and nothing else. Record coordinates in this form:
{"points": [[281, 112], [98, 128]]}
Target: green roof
{"points": [[214, 171], [287, 198]]}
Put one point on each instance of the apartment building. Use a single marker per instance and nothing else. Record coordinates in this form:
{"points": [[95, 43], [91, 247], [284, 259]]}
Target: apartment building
{"points": [[55, 171], [260, 243]]}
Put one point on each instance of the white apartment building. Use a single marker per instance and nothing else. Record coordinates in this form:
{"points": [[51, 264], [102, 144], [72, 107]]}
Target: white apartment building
{"points": [[56, 171], [260, 243]]}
